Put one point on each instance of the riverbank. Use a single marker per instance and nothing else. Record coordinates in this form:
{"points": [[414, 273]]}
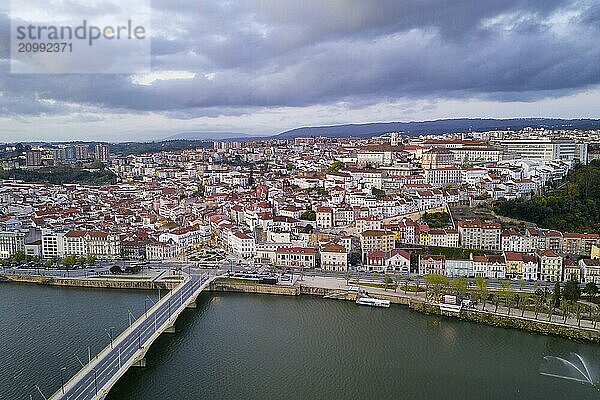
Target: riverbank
{"points": [[92, 282], [331, 288], [417, 303]]}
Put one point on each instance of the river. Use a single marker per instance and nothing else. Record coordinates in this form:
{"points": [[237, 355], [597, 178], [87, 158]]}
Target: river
{"points": [[240, 346]]}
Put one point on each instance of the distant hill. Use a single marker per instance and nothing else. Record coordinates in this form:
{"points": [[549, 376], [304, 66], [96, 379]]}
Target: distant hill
{"points": [[200, 135], [439, 126]]}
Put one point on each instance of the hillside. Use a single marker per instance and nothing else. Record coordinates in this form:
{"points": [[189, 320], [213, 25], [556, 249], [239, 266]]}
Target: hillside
{"points": [[438, 126], [575, 207]]}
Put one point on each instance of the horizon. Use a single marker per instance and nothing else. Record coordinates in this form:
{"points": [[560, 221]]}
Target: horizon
{"points": [[247, 136]]}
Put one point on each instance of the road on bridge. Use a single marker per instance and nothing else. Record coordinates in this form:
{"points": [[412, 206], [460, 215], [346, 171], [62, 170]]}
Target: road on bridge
{"points": [[93, 377]]}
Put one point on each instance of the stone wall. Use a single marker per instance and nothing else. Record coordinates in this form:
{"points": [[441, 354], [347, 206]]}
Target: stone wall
{"points": [[515, 322], [223, 286], [90, 282]]}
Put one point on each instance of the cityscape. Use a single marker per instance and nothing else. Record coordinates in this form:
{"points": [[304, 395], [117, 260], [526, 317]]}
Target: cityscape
{"points": [[275, 200]]}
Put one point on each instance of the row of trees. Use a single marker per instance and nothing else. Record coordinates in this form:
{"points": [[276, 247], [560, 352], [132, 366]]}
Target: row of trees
{"points": [[68, 261], [71, 261], [19, 257], [562, 301]]}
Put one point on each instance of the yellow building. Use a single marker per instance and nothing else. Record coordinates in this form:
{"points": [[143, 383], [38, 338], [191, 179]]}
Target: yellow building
{"points": [[595, 254]]}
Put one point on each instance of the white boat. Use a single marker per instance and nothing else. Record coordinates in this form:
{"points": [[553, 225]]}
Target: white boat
{"points": [[370, 301], [453, 308]]}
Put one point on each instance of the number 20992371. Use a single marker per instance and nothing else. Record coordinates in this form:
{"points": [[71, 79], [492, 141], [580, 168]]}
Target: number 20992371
{"points": [[45, 47]]}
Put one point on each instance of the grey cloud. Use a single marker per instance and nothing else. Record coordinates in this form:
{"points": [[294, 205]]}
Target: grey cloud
{"points": [[268, 53]]}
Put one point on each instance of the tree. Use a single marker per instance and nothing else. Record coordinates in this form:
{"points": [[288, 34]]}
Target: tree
{"points": [[355, 258], [387, 280], [436, 282], [437, 219], [90, 259], [506, 293], [69, 261], [481, 284], [377, 192], [308, 228], [335, 166], [556, 294], [591, 289], [460, 285], [571, 291], [309, 215]]}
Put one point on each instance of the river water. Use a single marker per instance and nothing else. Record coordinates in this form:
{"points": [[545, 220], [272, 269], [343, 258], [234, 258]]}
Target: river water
{"points": [[239, 346]]}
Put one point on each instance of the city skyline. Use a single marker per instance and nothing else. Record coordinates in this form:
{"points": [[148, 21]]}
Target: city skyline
{"points": [[262, 68]]}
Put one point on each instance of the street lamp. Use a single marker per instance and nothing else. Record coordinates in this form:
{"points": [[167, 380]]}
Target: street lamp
{"points": [[79, 360], [131, 317], [39, 390], [109, 333], [62, 379]]}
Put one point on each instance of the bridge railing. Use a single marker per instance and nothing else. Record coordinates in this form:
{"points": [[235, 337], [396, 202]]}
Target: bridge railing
{"points": [[177, 294]]}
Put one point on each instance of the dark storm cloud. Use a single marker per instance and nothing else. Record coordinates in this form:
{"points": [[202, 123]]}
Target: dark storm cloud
{"points": [[270, 53]]}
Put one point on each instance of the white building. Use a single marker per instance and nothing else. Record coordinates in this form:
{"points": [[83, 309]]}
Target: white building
{"points": [[334, 258]]}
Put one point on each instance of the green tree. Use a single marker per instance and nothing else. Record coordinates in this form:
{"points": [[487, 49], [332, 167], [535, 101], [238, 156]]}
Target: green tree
{"points": [[90, 259], [460, 285], [571, 291], [309, 215], [69, 261], [556, 295], [377, 192], [506, 293], [387, 280], [437, 219], [591, 289], [435, 284], [481, 284], [335, 166]]}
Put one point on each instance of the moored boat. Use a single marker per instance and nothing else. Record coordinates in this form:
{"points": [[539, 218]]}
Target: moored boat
{"points": [[370, 301]]}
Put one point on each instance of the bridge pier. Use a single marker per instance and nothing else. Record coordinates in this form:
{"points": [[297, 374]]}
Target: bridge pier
{"points": [[170, 329], [191, 305], [141, 363]]}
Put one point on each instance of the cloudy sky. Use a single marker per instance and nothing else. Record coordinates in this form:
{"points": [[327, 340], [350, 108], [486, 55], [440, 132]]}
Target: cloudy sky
{"points": [[265, 66]]}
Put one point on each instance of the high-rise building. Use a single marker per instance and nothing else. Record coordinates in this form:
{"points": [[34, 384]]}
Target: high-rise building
{"points": [[545, 149], [58, 155], [33, 158], [81, 152], [102, 153], [70, 154]]}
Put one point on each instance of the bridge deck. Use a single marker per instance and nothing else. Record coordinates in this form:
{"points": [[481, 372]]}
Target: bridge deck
{"points": [[96, 378]]}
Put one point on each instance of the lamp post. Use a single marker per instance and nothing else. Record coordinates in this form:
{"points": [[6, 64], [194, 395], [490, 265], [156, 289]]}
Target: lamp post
{"points": [[62, 379], [39, 390], [79, 360], [109, 333], [131, 317]]}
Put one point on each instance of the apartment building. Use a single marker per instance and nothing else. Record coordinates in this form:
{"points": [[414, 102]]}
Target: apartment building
{"points": [[476, 234], [551, 267], [377, 240], [296, 257], [334, 258]]}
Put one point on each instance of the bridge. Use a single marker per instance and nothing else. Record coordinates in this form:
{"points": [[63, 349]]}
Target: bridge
{"points": [[95, 379]]}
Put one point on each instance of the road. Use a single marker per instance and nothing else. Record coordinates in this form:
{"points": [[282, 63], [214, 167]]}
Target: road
{"points": [[111, 359]]}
